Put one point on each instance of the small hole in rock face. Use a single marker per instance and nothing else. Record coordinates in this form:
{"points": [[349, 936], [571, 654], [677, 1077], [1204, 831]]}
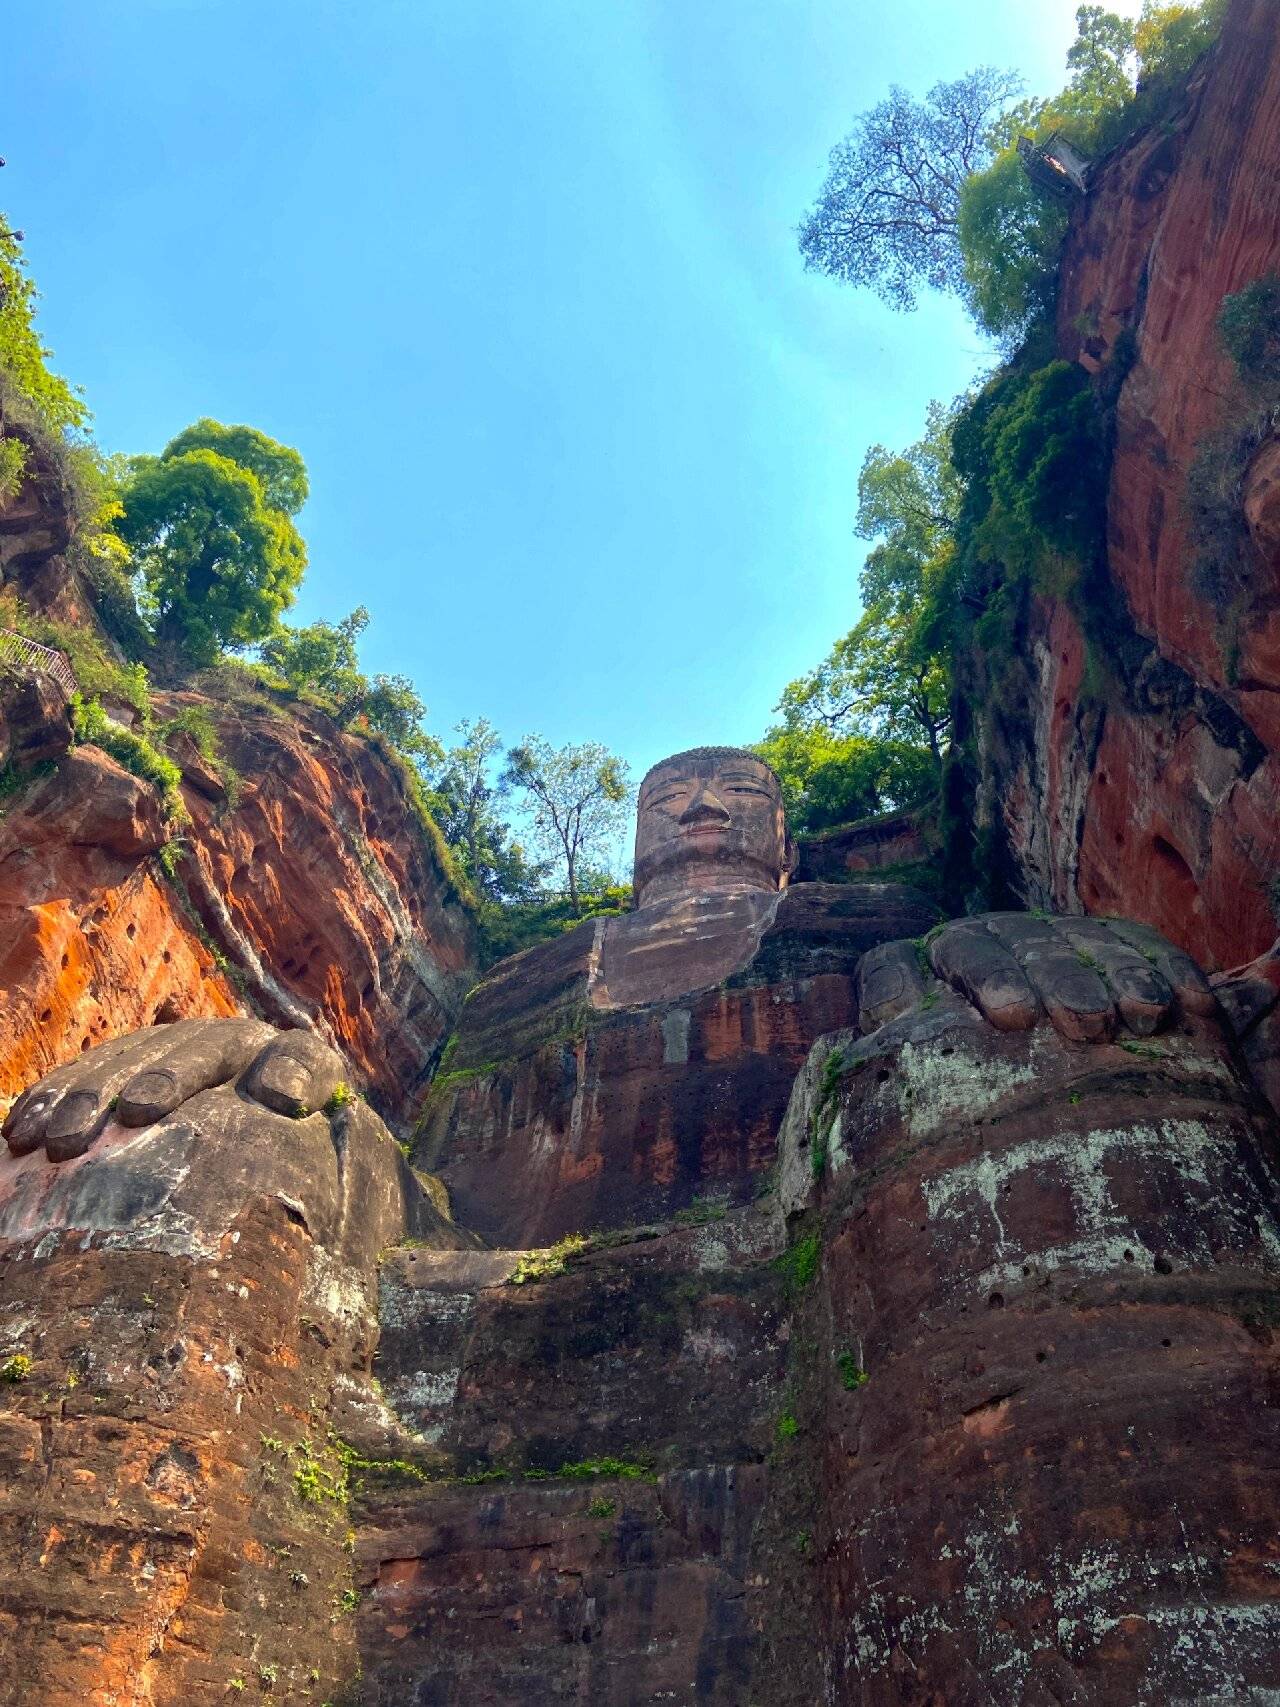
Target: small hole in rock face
{"points": [[1041, 1355], [1163, 1265], [66, 961], [1128, 1256], [924, 1226], [46, 1015], [882, 1075], [948, 1051], [166, 957], [85, 1043], [131, 931], [996, 1301], [1166, 1342], [1026, 1268]]}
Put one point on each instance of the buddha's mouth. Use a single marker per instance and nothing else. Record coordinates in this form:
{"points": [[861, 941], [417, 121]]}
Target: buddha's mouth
{"points": [[711, 827]]}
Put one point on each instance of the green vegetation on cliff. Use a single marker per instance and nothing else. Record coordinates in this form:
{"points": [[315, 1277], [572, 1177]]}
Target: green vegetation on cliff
{"points": [[191, 560], [932, 193], [1004, 495]]}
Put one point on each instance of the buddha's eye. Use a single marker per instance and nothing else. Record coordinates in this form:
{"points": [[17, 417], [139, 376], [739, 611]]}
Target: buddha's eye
{"points": [[743, 788], [665, 799]]}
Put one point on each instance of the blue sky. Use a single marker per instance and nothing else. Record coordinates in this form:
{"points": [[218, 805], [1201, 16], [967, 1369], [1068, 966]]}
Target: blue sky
{"points": [[519, 279]]}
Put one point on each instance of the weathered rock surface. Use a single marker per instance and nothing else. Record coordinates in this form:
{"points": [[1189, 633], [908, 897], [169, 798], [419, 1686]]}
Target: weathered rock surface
{"points": [[37, 526], [312, 897], [556, 1114], [1034, 1373], [626, 1408], [891, 840], [1158, 797], [188, 1295]]}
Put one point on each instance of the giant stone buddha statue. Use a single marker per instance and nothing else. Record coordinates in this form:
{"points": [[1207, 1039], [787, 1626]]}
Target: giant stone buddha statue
{"points": [[644, 1061]]}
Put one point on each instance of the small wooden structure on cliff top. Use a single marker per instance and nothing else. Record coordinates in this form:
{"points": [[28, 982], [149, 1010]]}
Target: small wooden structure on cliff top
{"points": [[1054, 165]]}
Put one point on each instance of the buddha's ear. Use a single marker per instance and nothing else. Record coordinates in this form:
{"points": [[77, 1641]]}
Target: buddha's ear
{"points": [[790, 860]]}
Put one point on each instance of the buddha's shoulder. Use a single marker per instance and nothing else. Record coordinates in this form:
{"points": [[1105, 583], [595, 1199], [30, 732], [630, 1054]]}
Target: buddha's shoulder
{"points": [[526, 999]]}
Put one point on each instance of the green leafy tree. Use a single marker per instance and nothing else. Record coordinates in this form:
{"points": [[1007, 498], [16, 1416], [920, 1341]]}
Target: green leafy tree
{"points": [[576, 798], [888, 678], [467, 799], [281, 472], [931, 193], [1029, 449], [394, 708], [887, 213], [1009, 233], [24, 359], [217, 560], [321, 657], [830, 778]]}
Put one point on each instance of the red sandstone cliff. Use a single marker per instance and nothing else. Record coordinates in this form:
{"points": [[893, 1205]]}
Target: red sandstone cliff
{"points": [[312, 897], [1157, 797]]}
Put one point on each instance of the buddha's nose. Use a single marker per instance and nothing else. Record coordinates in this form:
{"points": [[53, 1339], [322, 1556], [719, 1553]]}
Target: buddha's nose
{"points": [[706, 807]]}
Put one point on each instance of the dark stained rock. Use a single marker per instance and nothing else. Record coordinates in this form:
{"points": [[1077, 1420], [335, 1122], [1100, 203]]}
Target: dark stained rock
{"points": [[605, 1592], [627, 1407], [34, 725], [893, 839]]}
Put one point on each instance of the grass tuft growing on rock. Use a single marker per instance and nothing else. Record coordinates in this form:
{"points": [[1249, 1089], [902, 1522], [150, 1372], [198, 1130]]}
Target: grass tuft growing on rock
{"points": [[547, 1264]]}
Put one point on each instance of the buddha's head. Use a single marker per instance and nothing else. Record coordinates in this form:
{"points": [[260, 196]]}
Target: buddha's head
{"points": [[710, 819]]}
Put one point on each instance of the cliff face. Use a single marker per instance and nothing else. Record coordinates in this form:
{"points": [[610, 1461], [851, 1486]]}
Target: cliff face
{"points": [[306, 891], [1156, 795]]}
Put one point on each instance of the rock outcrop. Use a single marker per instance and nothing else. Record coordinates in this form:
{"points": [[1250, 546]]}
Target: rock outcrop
{"points": [[304, 889], [972, 1406], [1031, 1370], [1146, 781], [190, 1222]]}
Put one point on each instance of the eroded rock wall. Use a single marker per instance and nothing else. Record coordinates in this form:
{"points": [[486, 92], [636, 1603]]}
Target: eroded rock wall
{"points": [[555, 1116], [1031, 1371], [1145, 780], [303, 890]]}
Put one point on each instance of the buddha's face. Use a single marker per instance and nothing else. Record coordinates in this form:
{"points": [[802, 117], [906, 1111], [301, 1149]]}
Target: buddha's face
{"points": [[709, 820]]}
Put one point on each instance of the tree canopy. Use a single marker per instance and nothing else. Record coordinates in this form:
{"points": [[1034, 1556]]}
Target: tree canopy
{"points": [[24, 360], [888, 211], [218, 561], [467, 798], [576, 797], [866, 730], [281, 472], [931, 193]]}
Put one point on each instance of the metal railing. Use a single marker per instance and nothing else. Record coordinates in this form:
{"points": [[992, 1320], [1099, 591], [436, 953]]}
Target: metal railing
{"points": [[17, 649]]}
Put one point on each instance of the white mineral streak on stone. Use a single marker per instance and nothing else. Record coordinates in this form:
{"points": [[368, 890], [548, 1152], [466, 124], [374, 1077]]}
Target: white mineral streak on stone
{"points": [[707, 1346], [675, 1037], [416, 949], [242, 951], [713, 1256], [1093, 1590], [337, 1288], [1205, 1161], [427, 1395], [937, 1086], [795, 1173]]}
